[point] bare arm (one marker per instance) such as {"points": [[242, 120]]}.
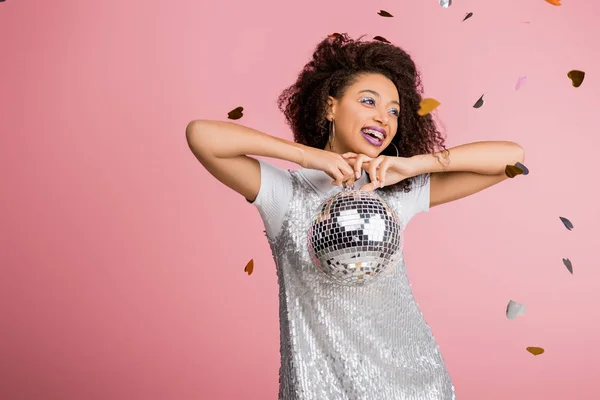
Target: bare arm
{"points": [[223, 148]]}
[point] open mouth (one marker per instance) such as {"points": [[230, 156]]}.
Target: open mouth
{"points": [[373, 135]]}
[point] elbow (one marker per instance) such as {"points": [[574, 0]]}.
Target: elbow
{"points": [[191, 131], [518, 152]]}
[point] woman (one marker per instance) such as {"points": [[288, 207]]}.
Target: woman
{"points": [[353, 112]]}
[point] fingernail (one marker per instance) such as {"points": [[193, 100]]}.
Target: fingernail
{"points": [[357, 174]]}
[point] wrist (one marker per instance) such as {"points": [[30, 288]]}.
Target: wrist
{"points": [[425, 163]]}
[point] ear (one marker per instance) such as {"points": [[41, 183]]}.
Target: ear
{"points": [[331, 106]]}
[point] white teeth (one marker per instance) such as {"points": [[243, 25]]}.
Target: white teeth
{"points": [[378, 135]]}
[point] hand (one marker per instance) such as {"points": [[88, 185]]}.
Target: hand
{"points": [[331, 163], [383, 170]]}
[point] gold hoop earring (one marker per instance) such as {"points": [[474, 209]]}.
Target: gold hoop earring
{"points": [[331, 134]]}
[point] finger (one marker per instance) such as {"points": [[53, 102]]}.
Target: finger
{"points": [[383, 172], [358, 166], [349, 155], [373, 171], [338, 178], [369, 187]]}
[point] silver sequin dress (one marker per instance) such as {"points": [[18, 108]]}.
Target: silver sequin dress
{"points": [[349, 343]]}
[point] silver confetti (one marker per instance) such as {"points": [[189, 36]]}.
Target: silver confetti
{"points": [[445, 3], [354, 237], [514, 310]]}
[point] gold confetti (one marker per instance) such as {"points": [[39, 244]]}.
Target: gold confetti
{"points": [[381, 39], [554, 2], [427, 106], [536, 351], [384, 13], [335, 35], [249, 267], [576, 77], [236, 113], [512, 170]]}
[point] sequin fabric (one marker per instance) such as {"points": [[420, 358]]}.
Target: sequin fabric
{"points": [[339, 342]]}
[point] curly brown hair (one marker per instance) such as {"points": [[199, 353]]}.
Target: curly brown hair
{"points": [[336, 63]]}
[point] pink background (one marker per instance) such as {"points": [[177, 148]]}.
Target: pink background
{"points": [[122, 259]]}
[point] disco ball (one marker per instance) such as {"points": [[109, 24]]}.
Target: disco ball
{"points": [[355, 237]]}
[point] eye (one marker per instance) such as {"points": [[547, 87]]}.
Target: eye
{"points": [[367, 100], [396, 112]]}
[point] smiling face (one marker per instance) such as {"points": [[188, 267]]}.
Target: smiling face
{"points": [[366, 117]]}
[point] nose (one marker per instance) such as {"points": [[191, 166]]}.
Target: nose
{"points": [[382, 117]]}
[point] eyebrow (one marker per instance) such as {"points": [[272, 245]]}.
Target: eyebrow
{"points": [[377, 95]]}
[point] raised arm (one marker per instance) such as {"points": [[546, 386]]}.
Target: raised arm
{"points": [[223, 148]]}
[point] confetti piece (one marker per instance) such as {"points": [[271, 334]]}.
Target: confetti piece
{"points": [[249, 267], [381, 39], [479, 102], [514, 310], [445, 3], [512, 170], [536, 351], [553, 2], [576, 77], [335, 35], [524, 168], [568, 264], [427, 106], [384, 13], [567, 223], [520, 82], [236, 113], [469, 15]]}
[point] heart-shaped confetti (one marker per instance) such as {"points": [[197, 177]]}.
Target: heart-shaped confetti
{"points": [[512, 170], [520, 82], [566, 222], [576, 77], [381, 39], [236, 113], [469, 15], [568, 264], [384, 13], [479, 102], [554, 2], [427, 106], [536, 351], [524, 168], [249, 267], [445, 3], [514, 310]]}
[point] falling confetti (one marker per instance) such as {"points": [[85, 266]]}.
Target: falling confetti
{"points": [[567, 223], [554, 2], [384, 13], [512, 170], [536, 351], [524, 168], [445, 3], [520, 82], [236, 113], [514, 310], [568, 264], [381, 39], [427, 106], [576, 77], [469, 15], [249, 267], [479, 102]]}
